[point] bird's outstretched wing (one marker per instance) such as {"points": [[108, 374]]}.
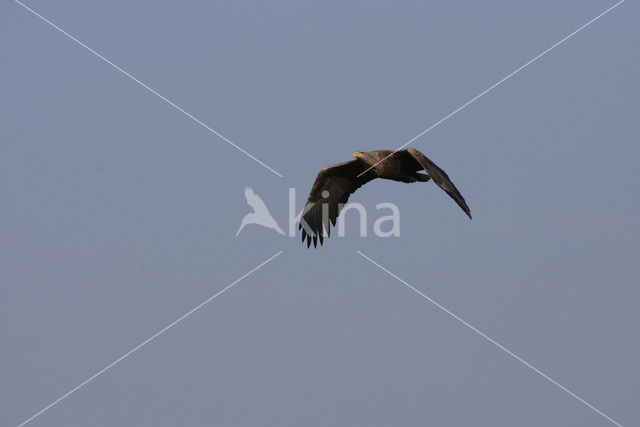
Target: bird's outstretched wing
{"points": [[332, 187], [253, 199], [440, 177]]}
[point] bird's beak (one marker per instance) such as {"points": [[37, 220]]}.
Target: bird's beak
{"points": [[356, 154]]}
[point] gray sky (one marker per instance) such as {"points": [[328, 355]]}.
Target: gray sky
{"points": [[119, 214]]}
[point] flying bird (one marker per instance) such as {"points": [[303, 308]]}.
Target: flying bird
{"points": [[334, 184], [260, 214]]}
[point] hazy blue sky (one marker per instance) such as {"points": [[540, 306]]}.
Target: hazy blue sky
{"points": [[119, 214]]}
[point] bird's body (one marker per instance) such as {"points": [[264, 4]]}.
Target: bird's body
{"points": [[334, 184], [386, 164]]}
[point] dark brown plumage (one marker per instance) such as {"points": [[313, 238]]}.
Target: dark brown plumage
{"points": [[334, 184]]}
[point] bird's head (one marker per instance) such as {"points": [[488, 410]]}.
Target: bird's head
{"points": [[365, 156]]}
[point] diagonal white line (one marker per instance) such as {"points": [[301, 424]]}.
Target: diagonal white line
{"points": [[483, 335], [136, 348], [497, 84], [191, 116]]}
